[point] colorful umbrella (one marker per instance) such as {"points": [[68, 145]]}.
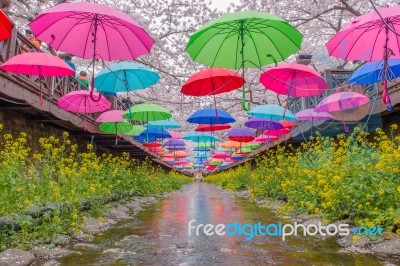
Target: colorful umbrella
{"points": [[211, 127], [210, 116], [241, 134], [116, 128], [311, 115], [175, 142], [341, 101], [91, 30], [125, 77], [136, 130], [294, 80], [370, 37], [241, 39], [263, 138], [81, 102], [272, 112], [5, 26], [37, 64], [147, 112], [164, 124], [111, 116], [262, 124], [252, 145], [199, 137], [175, 135], [231, 144], [212, 81], [221, 155], [371, 72], [288, 124]]}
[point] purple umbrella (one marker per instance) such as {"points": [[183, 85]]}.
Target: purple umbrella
{"points": [[175, 148], [311, 115], [175, 142], [263, 124]]}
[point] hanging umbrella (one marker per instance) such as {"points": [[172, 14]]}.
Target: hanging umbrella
{"points": [[212, 81], [241, 134], [175, 135], [154, 133], [252, 145], [81, 102], [210, 116], [136, 130], [211, 127], [293, 80], [370, 37], [116, 128], [242, 39], [341, 101], [111, 116], [5, 26], [147, 112], [164, 124], [179, 154], [91, 30], [263, 138], [152, 144], [221, 155], [371, 72], [175, 148], [278, 132], [37, 64], [175, 142], [272, 112], [199, 137], [262, 124], [124, 77], [288, 124], [311, 115], [231, 144]]}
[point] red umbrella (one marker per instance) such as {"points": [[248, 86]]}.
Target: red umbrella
{"points": [[5, 26], [211, 127], [37, 64], [152, 144], [241, 134], [288, 124], [212, 81]]}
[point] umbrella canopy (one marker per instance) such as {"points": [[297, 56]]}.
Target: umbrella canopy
{"points": [[179, 154], [156, 149], [221, 155], [263, 138], [211, 127], [364, 37], [111, 116], [175, 148], [212, 81], [154, 133], [231, 144], [175, 142], [147, 112], [220, 42], [124, 77], [277, 132], [199, 137], [210, 116], [116, 127], [272, 112], [294, 80], [288, 124], [175, 135], [140, 138], [5, 26], [152, 144], [170, 123], [136, 130], [262, 124], [311, 114], [372, 72], [241, 134], [252, 145], [341, 101], [37, 64], [91, 30], [81, 102]]}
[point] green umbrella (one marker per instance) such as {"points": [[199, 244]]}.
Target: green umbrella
{"points": [[252, 146], [245, 150], [136, 130], [116, 128], [244, 39], [147, 112]]}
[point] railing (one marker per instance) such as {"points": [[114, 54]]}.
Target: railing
{"points": [[52, 87]]}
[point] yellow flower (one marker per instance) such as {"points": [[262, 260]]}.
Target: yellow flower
{"points": [[381, 191], [356, 239], [398, 189]]}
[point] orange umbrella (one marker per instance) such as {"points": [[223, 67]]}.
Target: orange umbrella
{"points": [[179, 154], [231, 144]]}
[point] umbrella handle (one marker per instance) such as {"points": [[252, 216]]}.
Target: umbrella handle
{"points": [[244, 106]]}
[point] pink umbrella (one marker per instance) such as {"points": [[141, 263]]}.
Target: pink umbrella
{"points": [[37, 64], [263, 138], [341, 101], [111, 116], [91, 30], [221, 155], [175, 135], [277, 132], [370, 37], [294, 80], [81, 102], [311, 115]]}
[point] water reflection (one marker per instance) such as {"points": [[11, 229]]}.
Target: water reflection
{"points": [[159, 236]]}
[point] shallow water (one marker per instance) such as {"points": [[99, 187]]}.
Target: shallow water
{"points": [[159, 235]]}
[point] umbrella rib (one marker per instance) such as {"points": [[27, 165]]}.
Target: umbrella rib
{"points": [[102, 25]]}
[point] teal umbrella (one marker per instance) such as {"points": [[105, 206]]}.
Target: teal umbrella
{"points": [[164, 124], [272, 112], [244, 39]]}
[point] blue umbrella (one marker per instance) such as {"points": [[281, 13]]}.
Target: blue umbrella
{"points": [[272, 112], [199, 137], [155, 133], [124, 77], [143, 139], [371, 72], [210, 116], [175, 148], [201, 149], [165, 124]]}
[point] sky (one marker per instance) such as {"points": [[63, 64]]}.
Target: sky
{"points": [[222, 4]]}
